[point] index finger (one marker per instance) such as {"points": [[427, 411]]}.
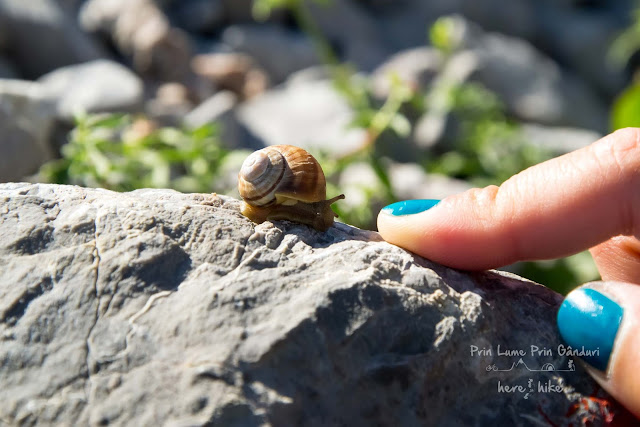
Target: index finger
{"points": [[550, 210]]}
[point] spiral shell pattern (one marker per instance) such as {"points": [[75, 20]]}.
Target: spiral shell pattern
{"points": [[280, 174]]}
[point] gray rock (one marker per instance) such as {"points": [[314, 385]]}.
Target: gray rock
{"points": [[94, 87], [534, 88], [155, 307], [26, 123], [309, 114], [40, 37], [220, 110], [278, 51], [558, 140]]}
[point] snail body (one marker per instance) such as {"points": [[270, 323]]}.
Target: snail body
{"points": [[285, 182]]}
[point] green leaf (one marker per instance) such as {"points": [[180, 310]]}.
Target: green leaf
{"points": [[383, 176], [441, 34], [110, 121], [626, 108], [207, 130], [362, 119], [400, 125]]}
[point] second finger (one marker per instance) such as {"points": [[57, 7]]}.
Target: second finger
{"points": [[618, 259]]}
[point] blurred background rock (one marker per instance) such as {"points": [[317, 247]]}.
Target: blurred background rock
{"points": [[398, 98]]}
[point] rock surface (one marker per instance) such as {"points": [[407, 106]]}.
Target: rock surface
{"points": [[155, 307]]}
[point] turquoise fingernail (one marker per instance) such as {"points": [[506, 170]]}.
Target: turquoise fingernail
{"points": [[588, 322], [410, 207]]}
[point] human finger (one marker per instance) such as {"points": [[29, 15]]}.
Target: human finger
{"points": [[553, 209], [618, 259]]}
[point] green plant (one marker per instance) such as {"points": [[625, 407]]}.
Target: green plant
{"points": [[625, 111], [488, 146], [122, 153], [442, 35]]}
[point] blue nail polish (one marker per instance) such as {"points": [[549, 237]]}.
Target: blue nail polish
{"points": [[410, 207], [589, 321]]}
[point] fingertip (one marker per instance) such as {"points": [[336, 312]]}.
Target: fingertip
{"points": [[447, 231], [406, 224], [599, 320]]}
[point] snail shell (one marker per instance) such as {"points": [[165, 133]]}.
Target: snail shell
{"points": [[281, 172], [285, 182]]}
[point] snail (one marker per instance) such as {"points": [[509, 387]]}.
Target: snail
{"points": [[285, 182]]}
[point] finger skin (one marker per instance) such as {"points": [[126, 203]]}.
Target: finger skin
{"points": [[553, 209], [622, 380], [618, 259]]}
